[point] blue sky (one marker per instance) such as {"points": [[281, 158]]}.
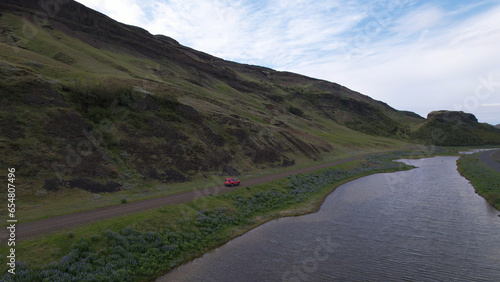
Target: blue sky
{"points": [[414, 55]]}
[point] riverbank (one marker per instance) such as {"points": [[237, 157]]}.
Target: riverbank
{"points": [[485, 180], [382, 227], [147, 244], [29, 229]]}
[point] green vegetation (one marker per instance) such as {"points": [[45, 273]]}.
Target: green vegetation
{"points": [[445, 128], [147, 244], [485, 180]]}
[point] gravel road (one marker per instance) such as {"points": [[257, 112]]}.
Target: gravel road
{"points": [[486, 157], [34, 228]]}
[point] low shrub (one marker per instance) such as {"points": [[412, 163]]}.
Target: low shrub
{"points": [[296, 111]]}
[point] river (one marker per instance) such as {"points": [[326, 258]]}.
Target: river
{"points": [[425, 224]]}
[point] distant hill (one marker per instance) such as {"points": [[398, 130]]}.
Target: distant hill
{"points": [[91, 103], [449, 128]]}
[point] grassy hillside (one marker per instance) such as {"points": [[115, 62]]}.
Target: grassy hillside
{"points": [[447, 128], [92, 106]]}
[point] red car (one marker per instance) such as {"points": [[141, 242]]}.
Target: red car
{"points": [[231, 182]]}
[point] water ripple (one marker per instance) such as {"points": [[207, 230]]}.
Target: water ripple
{"points": [[426, 224]]}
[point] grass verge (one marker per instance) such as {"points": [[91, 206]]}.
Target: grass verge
{"points": [[485, 180], [145, 245]]}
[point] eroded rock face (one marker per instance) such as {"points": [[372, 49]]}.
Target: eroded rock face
{"points": [[453, 128], [453, 117]]}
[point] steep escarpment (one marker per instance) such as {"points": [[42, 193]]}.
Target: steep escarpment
{"points": [[451, 128]]}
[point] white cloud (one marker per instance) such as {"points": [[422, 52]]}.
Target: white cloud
{"points": [[125, 11], [438, 71], [419, 20], [270, 33]]}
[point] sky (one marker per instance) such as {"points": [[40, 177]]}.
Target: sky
{"points": [[414, 55]]}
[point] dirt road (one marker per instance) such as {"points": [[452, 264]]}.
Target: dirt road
{"points": [[487, 158], [30, 229]]}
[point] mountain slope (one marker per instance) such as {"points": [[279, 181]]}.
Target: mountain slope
{"points": [[91, 103], [448, 128]]}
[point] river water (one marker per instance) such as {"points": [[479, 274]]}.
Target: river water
{"points": [[426, 224]]}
